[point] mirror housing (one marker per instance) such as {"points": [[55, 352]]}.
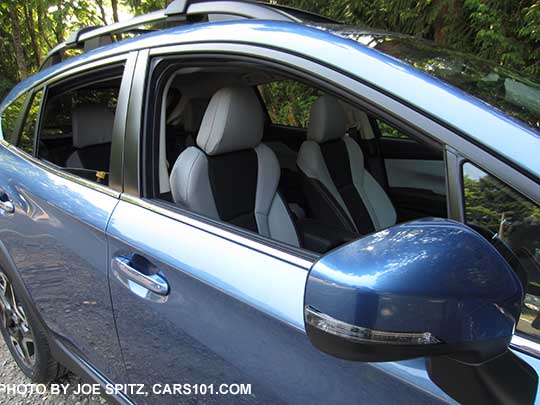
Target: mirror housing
{"points": [[424, 288]]}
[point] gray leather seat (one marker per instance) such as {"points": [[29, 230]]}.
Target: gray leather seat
{"points": [[231, 176], [92, 127], [340, 191]]}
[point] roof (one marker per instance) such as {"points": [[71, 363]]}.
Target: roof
{"points": [[505, 136]]}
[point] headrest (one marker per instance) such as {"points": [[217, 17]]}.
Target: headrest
{"points": [[92, 124], [232, 122], [327, 120]]}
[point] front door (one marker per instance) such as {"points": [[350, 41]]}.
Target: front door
{"points": [[233, 315]]}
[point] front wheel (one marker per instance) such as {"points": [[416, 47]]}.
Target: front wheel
{"points": [[24, 336]]}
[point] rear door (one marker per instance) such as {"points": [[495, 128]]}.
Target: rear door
{"points": [[55, 231]]}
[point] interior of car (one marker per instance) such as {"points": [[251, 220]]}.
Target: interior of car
{"points": [[321, 174], [77, 125]]}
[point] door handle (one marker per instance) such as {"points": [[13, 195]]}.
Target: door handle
{"points": [[6, 205], [152, 282]]}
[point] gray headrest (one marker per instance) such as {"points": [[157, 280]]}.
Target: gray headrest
{"points": [[232, 122], [327, 120], [92, 124]]}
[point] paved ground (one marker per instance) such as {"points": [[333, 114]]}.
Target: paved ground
{"points": [[10, 374]]}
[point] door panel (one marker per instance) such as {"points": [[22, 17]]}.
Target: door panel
{"points": [[416, 178], [56, 237], [416, 174], [233, 315]]}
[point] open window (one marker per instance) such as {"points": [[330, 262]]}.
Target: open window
{"points": [[77, 122], [261, 151]]}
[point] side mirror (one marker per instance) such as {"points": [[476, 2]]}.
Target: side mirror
{"points": [[429, 288]]}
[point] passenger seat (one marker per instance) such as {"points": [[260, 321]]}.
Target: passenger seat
{"points": [[231, 176], [340, 191]]}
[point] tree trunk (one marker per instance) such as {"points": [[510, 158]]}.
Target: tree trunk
{"points": [[102, 12], [41, 27], [114, 5], [17, 43], [31, 28], [59, 31]]}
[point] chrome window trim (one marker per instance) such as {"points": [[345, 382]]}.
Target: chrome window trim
{"points": [[61, 173], [221, 232], [525, 345]]}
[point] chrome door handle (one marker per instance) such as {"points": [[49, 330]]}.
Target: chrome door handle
{"points": [[7, 206], [152, 282]]}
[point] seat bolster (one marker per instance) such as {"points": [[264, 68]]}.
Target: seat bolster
{"points": [[311, 162], [280, 224], [383, 207], [379, 206], [273, 218], [268, 175], [74, 161], [190, 184]]}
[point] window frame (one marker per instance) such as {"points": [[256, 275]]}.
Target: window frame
{"points": [[136, 164], [116, 167]]}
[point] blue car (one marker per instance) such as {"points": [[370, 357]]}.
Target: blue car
{"points": [[238, 202]]}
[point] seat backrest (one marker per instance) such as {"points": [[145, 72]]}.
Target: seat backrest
{"points": [[231, 176], [92, 126], [339, 188]]}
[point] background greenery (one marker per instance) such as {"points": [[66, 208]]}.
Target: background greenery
{"points": [[505, 31]]}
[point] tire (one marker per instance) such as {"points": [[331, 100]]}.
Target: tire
{"points": [[25, 336]]}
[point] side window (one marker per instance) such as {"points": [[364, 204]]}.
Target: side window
{"points": [[10, 116], [512, 223], [388, 131], [28, 134], [288, 102], [77, 125]]}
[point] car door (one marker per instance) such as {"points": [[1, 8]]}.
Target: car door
{"points": [[54, 231], [197, 303]]}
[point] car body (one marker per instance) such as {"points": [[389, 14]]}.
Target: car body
{"points": [[234, 312]]}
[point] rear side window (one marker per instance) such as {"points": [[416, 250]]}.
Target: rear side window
{"points": [[77, 124], [288, 102], [9, 118], [28, 133]]}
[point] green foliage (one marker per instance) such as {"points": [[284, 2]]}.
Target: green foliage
{"points": [[506, 32], [9, 118], [490, 202], [288, 102]]}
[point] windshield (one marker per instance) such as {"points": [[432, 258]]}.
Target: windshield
{"points": [[511, 92]]}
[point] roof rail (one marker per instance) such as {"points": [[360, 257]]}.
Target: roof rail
{"points": [[180, 12]]}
